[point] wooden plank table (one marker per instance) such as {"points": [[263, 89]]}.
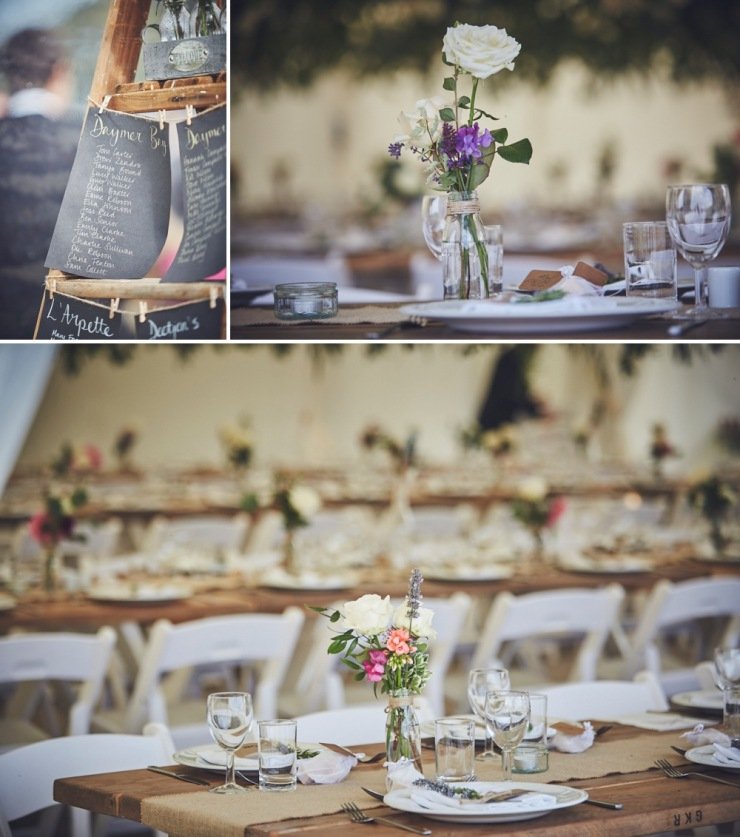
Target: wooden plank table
{"points": [[651, 802]]}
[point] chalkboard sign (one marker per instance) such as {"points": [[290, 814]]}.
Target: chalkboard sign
{"points": [[114, 217], [190, 321], [65, 317], [202, 251]]}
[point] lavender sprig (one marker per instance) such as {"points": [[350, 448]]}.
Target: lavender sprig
{"points": [[414, 597]]}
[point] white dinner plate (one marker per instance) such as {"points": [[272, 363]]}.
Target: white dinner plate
{"points": [[282, 580], [212, 757], [144, 594], [705, 755], [560, 796], [493, 572], [567, 314], [707, 699], [583, 564]]}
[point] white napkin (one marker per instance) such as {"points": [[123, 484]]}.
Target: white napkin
{"points": [[327, 768], [428, 798], [401, 775], [572, 284], [699, 736], [726, 755], [564, 743]]}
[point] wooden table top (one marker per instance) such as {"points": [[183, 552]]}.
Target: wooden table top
{"points": [[651, 802], [64, 611], [250, 324]]}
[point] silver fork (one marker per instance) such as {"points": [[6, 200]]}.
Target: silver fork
{"points": [[675, 773], [356, 815]]}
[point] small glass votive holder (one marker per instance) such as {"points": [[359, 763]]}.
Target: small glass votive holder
{"points": [[278, 755], [532, 756], [454, 749], [305, 300], [731, 711]]}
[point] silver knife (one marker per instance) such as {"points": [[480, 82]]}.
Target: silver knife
{"points": [[181, 776]]}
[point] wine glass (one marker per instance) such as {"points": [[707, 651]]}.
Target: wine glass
{"points": [[480, 682], [727, 663], [434, 215], [229, 720], [698, 217], [507, 713]]}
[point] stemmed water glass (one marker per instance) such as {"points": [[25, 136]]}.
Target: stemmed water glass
{"points": [[480, 682], [698, 217], [727, 664], [229, 720], [507, 713]]}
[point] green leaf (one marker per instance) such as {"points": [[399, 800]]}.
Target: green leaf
{"points": [[479, 112], [517, 152], [500, 135], [360, 676], [335, 617], [463, 102], [317, 608], [449, 83], [447, 115], [480, 171]]}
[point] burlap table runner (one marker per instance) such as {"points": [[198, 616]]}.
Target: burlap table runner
{"points": [[196, 814], [371, 314]]}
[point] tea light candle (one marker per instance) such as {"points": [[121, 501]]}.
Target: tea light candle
{"points": [[525, 758]]}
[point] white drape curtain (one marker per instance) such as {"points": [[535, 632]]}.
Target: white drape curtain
{"points": [[24, 374]]}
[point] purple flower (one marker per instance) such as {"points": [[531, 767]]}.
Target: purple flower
{"points": [[468, 142], [394, 149]]}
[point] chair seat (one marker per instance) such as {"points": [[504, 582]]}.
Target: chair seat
{"points": [[15, 732]]}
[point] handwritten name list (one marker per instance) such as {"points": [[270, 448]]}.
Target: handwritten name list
{"points": [[202, 251], [114, 216]]}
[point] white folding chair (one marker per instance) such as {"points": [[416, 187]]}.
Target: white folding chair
{"points": [[675, 608], [28, 773], [604, 700], [261, 642], [32, 662], [219, 531], [360, 724], [534, 626]]}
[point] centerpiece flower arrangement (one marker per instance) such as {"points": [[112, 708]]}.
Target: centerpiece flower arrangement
{"points": [[403, 457], [387, 647], [55, 523], [238, 444], [457, 152], [714, 499], [533, 507], [77, 460], [660, 449]]}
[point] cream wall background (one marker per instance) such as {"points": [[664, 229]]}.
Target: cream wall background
{"points": [[311, 412], [332, 134]]}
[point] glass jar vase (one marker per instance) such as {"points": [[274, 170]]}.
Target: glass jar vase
{"points": [[402, 730], [464, 253]]}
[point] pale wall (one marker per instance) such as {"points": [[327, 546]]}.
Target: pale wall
{"points": [[648, 121], [308, 413]]}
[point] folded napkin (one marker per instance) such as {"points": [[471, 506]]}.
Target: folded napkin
{"points": [[726, 755], [428, 798], [700, 736], [327, 768], [567, 741], [570, 283]]}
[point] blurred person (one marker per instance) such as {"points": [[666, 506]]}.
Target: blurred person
{"points": [[39, 132]]}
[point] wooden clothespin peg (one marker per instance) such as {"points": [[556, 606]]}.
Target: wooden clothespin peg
{"points": [[214, 296], [114, 303], [142, 311], [52, 287], [104, 103], [189, 114], [161, 120]]}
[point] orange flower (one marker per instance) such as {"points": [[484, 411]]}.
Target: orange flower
{"points": [[398, 641]]}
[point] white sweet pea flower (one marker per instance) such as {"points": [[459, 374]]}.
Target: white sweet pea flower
{"points": [[305, 501], [369, 615], [532, 489], [421, 626], [422, 126], [480, 50]]}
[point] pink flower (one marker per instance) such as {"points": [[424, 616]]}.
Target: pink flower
{"points": [[398, 641], [38, 531], [557, 507], [375, 666], [88, 458]]}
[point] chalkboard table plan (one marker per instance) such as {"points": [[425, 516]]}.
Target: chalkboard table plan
{"points": [[187, 321], [115, 214], [63, 317]]}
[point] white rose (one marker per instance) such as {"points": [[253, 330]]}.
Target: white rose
{"points": [[480, 50], [422, 126], [532, 489], [369, 615], [421, 626], [305, 501]]}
